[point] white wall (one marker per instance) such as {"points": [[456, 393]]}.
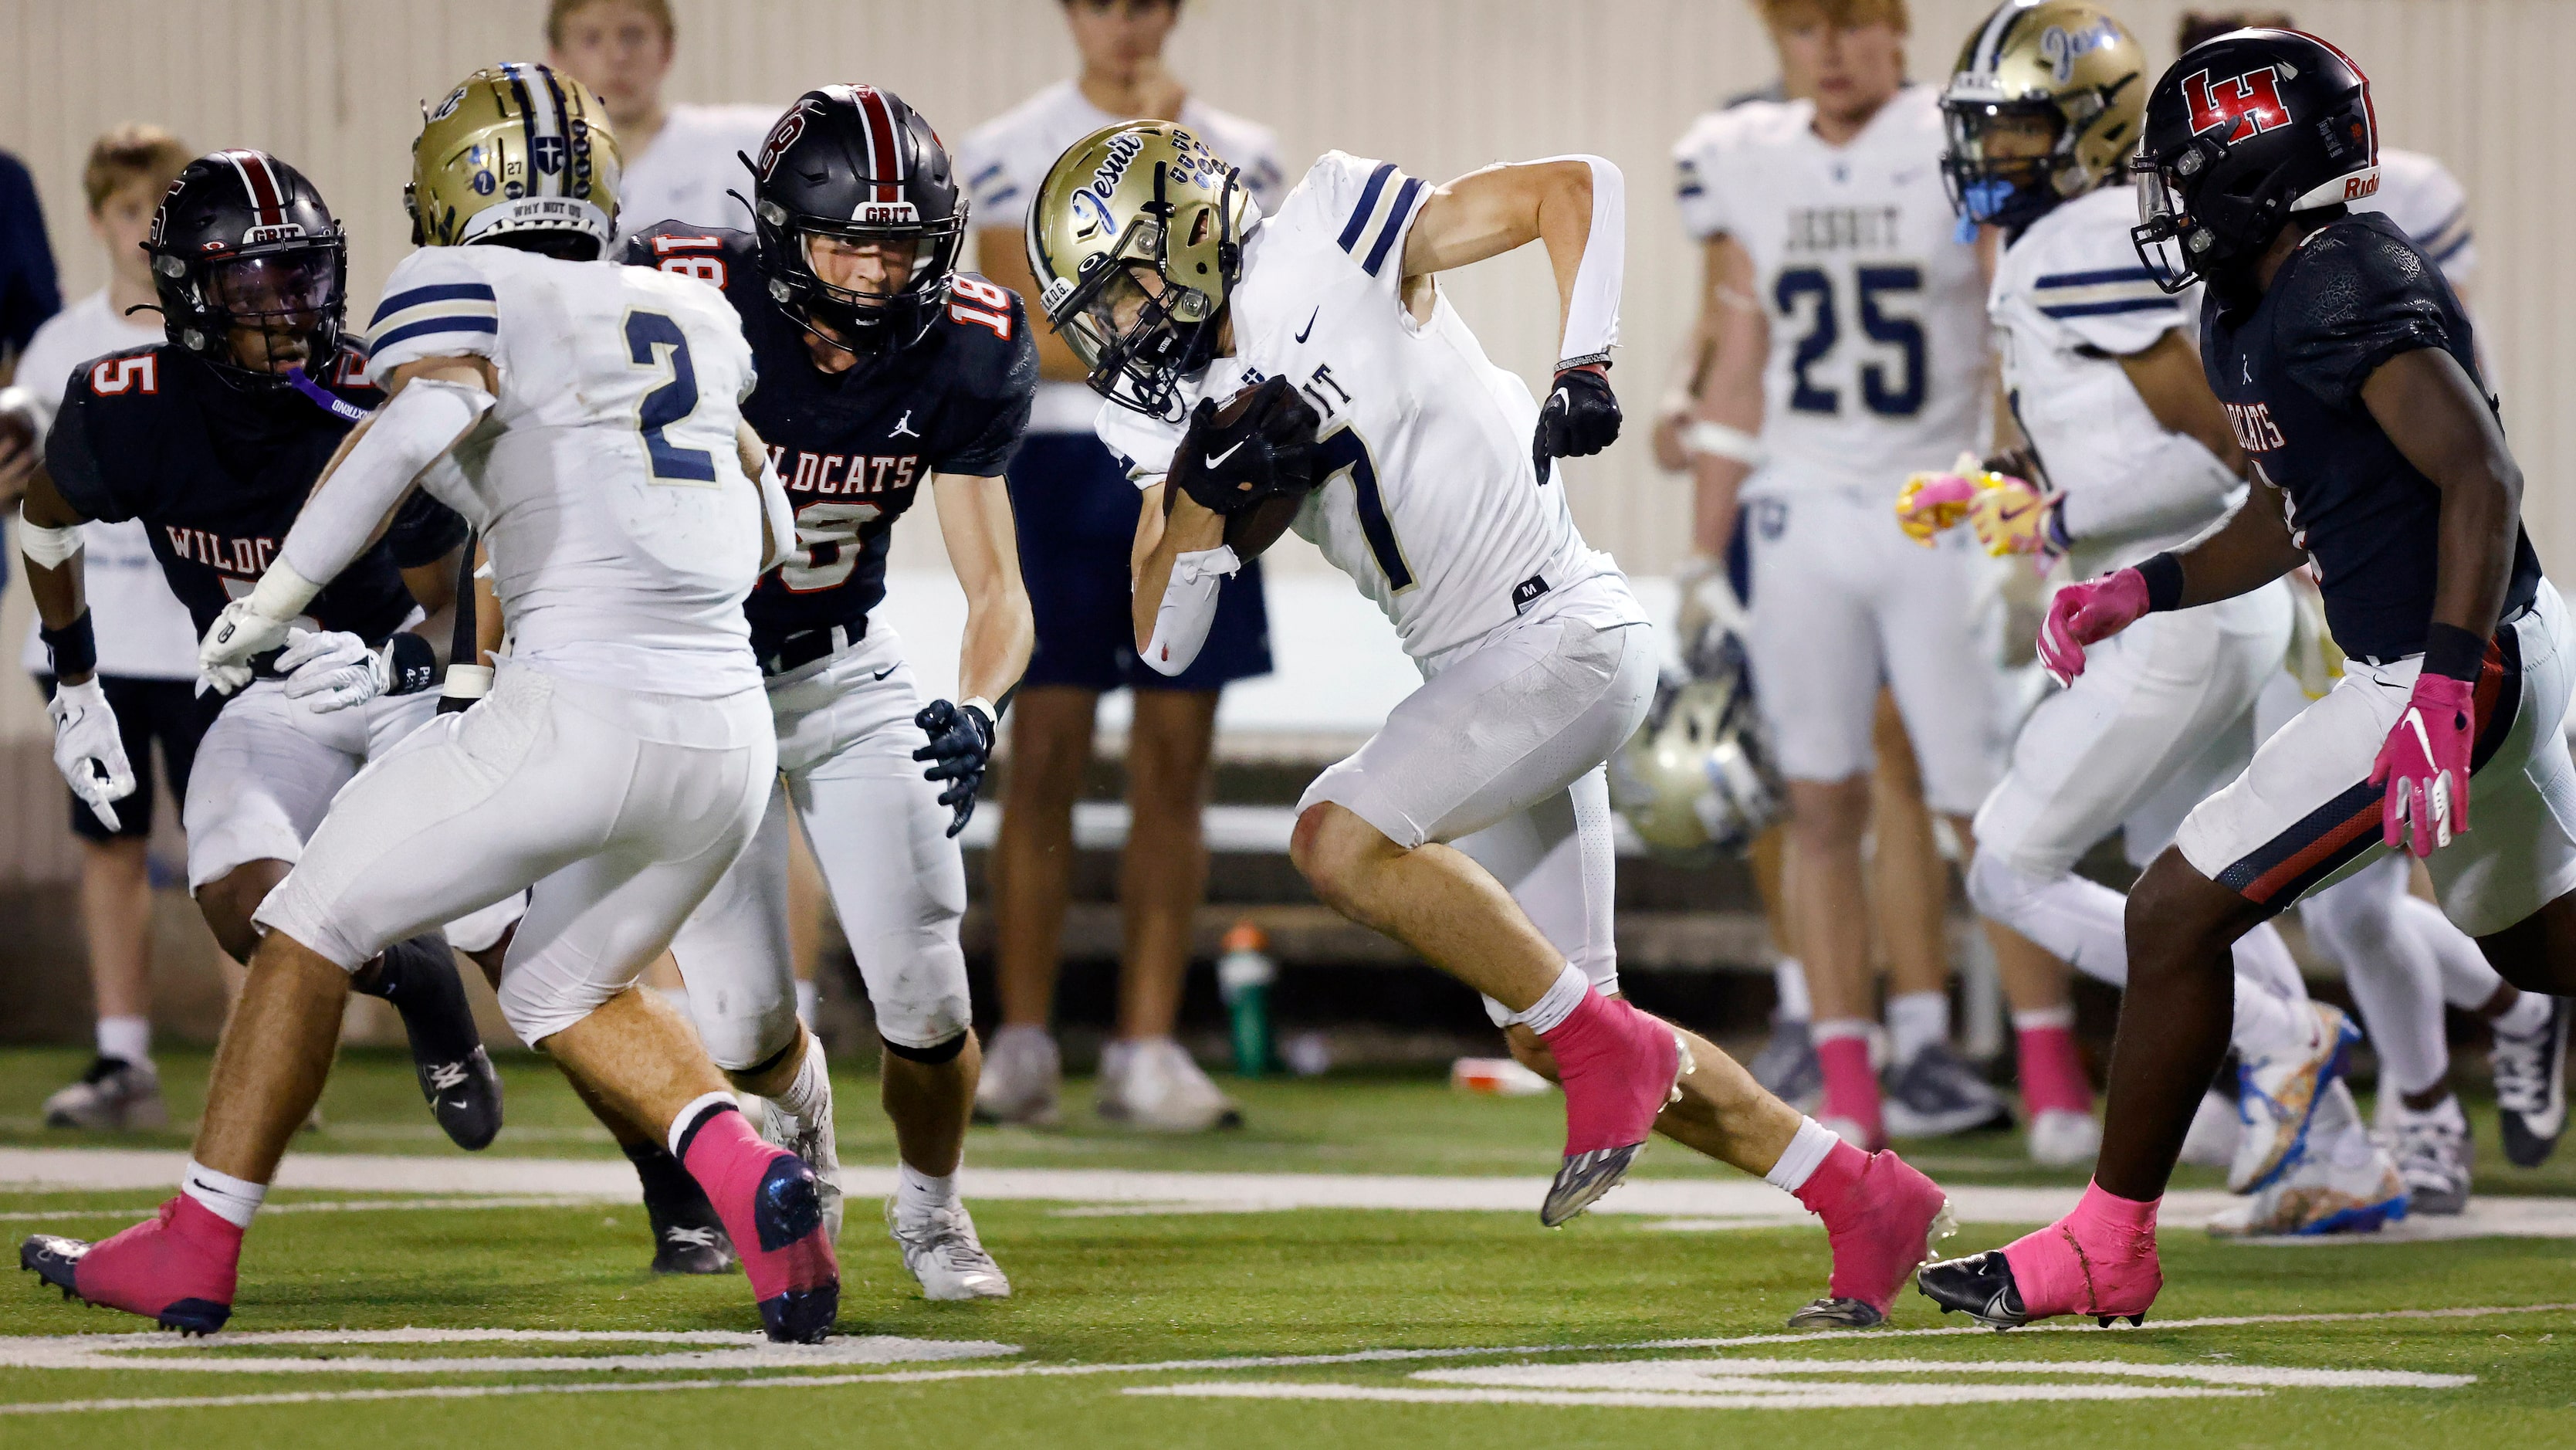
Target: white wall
{"points": [[1439, 85]]}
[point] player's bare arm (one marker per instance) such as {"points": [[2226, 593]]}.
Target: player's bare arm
{"points": [[1001, 257], [1727, 415], [58, 587], [2171, 382], [2434, 414], [983, 547]]}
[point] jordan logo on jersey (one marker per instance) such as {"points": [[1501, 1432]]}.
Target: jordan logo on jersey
{"points": [[2253, 426], [248, 558], [903, 426]]}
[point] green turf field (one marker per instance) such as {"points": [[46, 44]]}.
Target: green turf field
{"points": [[1306, 1327]]}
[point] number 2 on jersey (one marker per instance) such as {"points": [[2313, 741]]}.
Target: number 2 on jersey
{"points": [[647, 335], [1347, 452], [1875, 284]]}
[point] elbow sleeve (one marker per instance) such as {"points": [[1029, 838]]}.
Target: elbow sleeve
{"points": [[1188, 608]]}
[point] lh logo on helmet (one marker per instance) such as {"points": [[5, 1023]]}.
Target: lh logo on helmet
{"points": [[2248, 104]]}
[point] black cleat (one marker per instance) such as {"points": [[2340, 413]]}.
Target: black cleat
{"points": [[1981, 1285], [1838, 1314], [1581, 1180], [418, 975], [2107, 1320], [2531, 1087], [688, 1237], [802, 1316]]}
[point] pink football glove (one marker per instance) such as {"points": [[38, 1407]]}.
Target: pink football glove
{"points": [[2425, 764], [2015, 516], [2085, 614], [1933, 502]]}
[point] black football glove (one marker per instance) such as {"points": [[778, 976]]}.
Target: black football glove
{"points": [[1256, 447], [1580, 417], [961, 745]]}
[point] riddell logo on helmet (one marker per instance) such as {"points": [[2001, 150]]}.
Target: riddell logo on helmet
{"points": [[2357, 187], [2249, 104]]}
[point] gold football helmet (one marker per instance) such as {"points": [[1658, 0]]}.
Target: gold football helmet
{"points": [[1126, 201], [1696, 780], [2064, 65], [515, 148]]}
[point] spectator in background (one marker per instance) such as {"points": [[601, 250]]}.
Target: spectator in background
{"points": [[679, 160], [28, 294], [1077, 522], [147, 648]]}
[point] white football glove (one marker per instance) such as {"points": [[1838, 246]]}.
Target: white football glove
{"points": [[237, 635], [89, 750], [331, 670]]}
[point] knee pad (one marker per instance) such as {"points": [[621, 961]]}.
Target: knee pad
{"points": [[743, 1030], [931, 1056], [539, 1000], [917, 990]]}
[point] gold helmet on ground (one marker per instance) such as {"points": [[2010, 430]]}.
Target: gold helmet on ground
{"points": [[2065, 64], [515, 148], [1127, 200], [1696, 780]]}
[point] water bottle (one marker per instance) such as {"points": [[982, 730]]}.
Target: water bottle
{"points": [[1243, 977]]}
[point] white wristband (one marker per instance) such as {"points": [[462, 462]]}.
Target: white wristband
{"points": [[978, 702], [467, 682], [1717, 440], [281, 594], [1592, 315]]}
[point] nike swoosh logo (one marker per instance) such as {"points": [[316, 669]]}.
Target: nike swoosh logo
{"points": [[1214, 459], [1310, 323], [1562, 396], [890, 669]]}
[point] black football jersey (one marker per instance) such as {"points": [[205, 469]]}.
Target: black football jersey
{"points": [[218, 473], [855, 448], [2289, 370]]}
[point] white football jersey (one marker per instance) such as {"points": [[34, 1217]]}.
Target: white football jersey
{"points": [[1006, 159], [1428, 499], [2421, 195], [1877, 322], [2071, 297], [606, 483]]}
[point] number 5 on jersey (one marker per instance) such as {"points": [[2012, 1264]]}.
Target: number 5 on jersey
{"points": [[655, 342]]}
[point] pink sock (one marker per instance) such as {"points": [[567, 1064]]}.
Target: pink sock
{"points": [[1851, 1089], [2052, 1071], [2105, 1229], [1826, 1189]]}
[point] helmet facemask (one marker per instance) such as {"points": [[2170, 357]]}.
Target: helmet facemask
{"points": [[797, 252], [290, 299], [1144, 338], [2009, 190]]}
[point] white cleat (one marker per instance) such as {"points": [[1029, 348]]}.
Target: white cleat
{"points": [[941, 1250], [2215, 1132], [2278, 1097], [817, 1145], [2342, 1182], [1152, 1084], [1023, 1079], [2433, 1152], [2064, 1138], [113, 1094]]}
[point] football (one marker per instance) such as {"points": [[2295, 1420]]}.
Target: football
{"points": [[1248, 531]]}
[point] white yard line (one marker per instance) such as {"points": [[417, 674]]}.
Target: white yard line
{"points": [[1053, 1371], [1678, 1203], [347, 1205]]}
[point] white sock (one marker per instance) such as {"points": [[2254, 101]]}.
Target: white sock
{"points": [[689, 1116], [127, 1039], [1789, 976], [2527, 1015], [2266, 1026], [1917, 1020], [231, 1199], [2041, 1019], [917, 1195], [1798, 1161], [806, 996], [2262, 955], [1550, 1011], [809, 1097], [1834, 1028]]}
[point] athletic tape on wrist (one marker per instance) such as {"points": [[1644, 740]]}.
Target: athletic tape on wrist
{"points": [[1718, 440]]}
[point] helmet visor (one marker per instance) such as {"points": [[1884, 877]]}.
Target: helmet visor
{"points": [[278, 285]]}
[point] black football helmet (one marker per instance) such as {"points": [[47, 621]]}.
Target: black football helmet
{"points": [[2243, 131], [242, 243], [855, 164]]}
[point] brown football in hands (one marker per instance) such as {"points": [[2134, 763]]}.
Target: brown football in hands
{"points": [[1254, 529]]}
